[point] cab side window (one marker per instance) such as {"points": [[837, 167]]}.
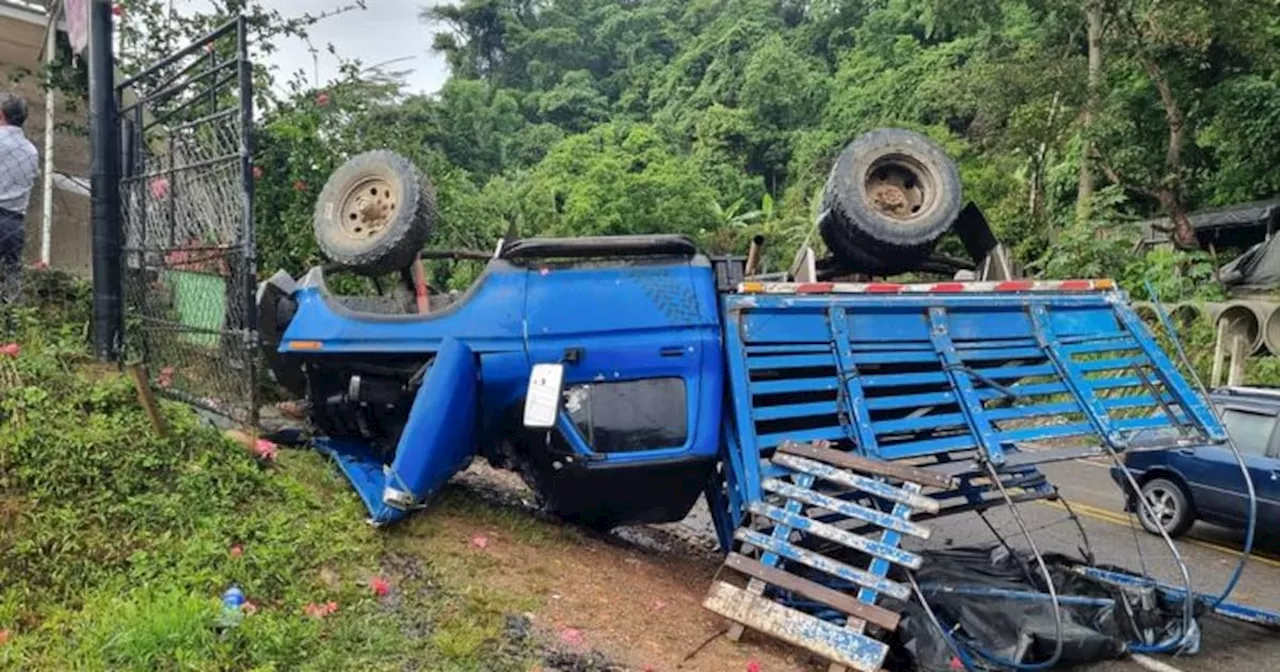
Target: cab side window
{"points": [[630, 416]]}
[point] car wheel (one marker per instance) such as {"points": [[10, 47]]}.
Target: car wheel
{"points": [[1170, 508]]}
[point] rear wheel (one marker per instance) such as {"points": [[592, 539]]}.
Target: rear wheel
{"points": [[1170, 508], [891, 194]]}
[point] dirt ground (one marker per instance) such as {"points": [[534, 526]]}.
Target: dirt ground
{"points": [[637, 601]]}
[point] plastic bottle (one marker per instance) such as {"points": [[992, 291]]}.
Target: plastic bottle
{"points": [[232, 607]]}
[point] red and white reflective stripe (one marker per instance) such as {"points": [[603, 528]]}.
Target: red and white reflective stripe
{"points": [[925, 288]]}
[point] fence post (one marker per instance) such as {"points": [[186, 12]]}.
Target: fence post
{"points": [[104, 136]]}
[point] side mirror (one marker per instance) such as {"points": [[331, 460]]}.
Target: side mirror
{"points": [[542, 399]]}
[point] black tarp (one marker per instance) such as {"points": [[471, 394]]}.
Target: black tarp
{"points": [[1258, 269], [1022, 630]]}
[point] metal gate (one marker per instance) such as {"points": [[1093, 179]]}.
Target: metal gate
{"points": [[186, 194]]}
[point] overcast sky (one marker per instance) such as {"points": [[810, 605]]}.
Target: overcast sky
{"points": [[388, 29]]}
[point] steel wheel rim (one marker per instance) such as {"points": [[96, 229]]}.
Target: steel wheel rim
{"points": [[900, 188], [1163, 505], [368, 207]]}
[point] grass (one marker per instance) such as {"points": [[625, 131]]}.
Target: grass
{"points": [[116, 543]]}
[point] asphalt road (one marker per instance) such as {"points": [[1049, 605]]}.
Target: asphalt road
{"points": [[1210, 555]]}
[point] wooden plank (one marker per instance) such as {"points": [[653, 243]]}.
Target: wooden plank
{"points": [[857, 482], [814, 591], [847, 539], [822, 563], [847, 509], [147, 398], [848, 648], [865, 465]]}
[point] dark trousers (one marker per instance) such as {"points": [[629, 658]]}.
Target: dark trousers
{"points": [[13, 235]]}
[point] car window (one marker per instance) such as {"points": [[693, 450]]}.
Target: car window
{"points": [[1250, 431], [630, 415]]}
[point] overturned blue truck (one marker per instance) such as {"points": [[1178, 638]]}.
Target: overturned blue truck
{"points": [[825, 417]]}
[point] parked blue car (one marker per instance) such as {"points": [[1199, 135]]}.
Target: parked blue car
{"points": [[1204, 483]]}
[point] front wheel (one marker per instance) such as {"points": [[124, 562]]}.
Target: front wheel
{"points": [[1170, 508]]}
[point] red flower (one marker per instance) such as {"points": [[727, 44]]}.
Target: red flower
{"points": [[322, 99], [379, 586], [299, 185], [257, 172], [10, 349], [753, 666]]}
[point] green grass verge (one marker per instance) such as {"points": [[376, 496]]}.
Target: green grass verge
{"points": [[116, 543]]}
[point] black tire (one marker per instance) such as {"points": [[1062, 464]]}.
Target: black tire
{"points": [[381, 231], [853, 257], [891, 194], [1170, 503]]}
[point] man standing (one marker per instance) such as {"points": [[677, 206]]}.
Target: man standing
{"points": [[19, 164]]}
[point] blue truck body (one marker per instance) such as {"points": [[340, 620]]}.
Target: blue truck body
{"points": [[846, 414]]}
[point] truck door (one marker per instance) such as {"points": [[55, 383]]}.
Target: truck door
{"points": [[643, 380]]}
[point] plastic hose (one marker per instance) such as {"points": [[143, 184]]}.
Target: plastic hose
{"points": [[1235, 451]]}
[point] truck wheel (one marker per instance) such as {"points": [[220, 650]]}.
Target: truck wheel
{"points": [[374, 213], [1170, 505], [892, 193]]}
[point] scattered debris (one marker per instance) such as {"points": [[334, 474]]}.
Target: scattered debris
{"points": [[319, 611]]}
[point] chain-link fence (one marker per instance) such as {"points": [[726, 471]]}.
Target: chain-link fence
{"points": [[186, 200]]}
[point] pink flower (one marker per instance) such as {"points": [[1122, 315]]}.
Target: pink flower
{"points": [[322, 98], [117, 10], [379, 586], [319, 611], [159, 187], [10, 349], [257, 172], [265, 449], [299, 185], [165, 379], [572, 637], [480, 541], [237, 551], [754, 666]]}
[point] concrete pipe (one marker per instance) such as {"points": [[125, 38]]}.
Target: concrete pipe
{"points": [[1245, 319], [1185, 315], [1271, 327], [1214, 311]]}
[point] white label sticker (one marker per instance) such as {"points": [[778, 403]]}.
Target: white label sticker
{"points": [[542, 401]]}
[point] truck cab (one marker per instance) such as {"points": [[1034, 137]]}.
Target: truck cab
{"points": [[630, 324]]}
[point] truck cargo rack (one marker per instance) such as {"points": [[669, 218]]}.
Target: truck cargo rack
{"points": [[917, 401]]}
